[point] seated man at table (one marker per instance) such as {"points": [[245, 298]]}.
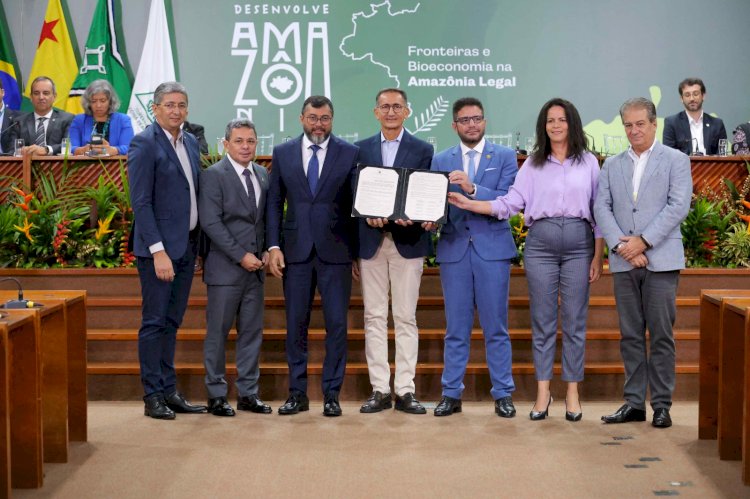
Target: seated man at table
{"points": [[43, 130], [692, 131]]}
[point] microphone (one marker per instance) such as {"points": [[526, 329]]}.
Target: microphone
{"points": [[593, 142], [518, 144], [696, 152], [20, 302]]}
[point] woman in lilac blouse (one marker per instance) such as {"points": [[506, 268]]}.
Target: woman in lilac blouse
{"points": [[555, 188]]}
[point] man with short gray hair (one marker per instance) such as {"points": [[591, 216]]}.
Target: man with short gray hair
{"points": [[163, 166], [644, 195], [231, 206]]}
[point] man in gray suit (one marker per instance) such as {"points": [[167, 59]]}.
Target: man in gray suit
{"points": [[44, 129], [232, 209], [644, 195]]}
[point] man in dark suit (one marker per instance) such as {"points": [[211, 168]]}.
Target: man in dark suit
{"points": [[163, 166], [644, 195], [692, 131], [43, 130], [474, 252], [8, 119], [231, 207], [391, 262], [315, 242]]}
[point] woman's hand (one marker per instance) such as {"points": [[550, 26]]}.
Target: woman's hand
{"points": [[461, 201]]}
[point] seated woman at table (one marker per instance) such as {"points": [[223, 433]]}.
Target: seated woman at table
{"points": [[555, 188], [99, 102]]}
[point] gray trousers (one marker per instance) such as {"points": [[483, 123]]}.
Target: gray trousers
{"points": [[646, 299], [557, 258], [225, 304]]}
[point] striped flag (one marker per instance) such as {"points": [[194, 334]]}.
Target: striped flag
{"points": [[102, 59], [55, 57]]}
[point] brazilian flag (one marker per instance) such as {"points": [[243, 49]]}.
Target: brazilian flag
{"points": [[9, 66]]}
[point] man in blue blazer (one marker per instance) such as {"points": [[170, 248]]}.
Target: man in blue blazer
{"points": [[163, 166], [692, 130], [644, 195], [312, 245], [391, 263], [474, 253]]}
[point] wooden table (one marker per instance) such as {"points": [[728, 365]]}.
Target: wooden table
{"points": [[23, 331], [75, 312], [4, 410], [54, 355], [708, 394]]}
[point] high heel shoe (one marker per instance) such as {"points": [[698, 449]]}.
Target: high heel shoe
{"points": [[539, 415], [572, 416]]}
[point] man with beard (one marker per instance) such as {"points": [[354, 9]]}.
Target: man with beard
{"points": [[312, 245], [692, 131], [474, 253]]}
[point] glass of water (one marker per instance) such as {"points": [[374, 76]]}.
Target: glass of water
{"points": [[723, 147], [220, 145], [18, 151], [433, 142], [65, 147]]}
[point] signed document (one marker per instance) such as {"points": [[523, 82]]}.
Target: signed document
{"points": [[401, 193]]}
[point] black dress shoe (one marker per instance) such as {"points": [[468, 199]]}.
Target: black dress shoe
{"points": [[220, 407], [661, 419], [409, 403], [447, 406], [625, 414], [297, 402], [177, 403], [332, 408], [253, 403], [504, 407], [539, 415], [155, 407], [376, 403]]}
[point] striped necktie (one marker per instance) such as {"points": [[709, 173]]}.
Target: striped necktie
{"points": [[40, 135]]}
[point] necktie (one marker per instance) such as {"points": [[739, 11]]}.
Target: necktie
{"points": [[40, 136], [472, 164], [249, 184], [313, 168]]}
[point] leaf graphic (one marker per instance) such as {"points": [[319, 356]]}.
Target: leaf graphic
{"points": [[429, 118]]}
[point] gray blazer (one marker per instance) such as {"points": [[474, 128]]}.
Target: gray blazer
{"points": [[233, 225], [663, 203], [57, 129]]}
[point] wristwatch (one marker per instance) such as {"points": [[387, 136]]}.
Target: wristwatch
{"points": [[616, 247], [645, 241]]}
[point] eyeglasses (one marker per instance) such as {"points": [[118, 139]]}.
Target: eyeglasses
{"points": [[386, 108], [466, 119], [312, 119], [171, 106]]}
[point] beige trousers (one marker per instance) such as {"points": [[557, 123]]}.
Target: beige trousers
{"points": [[388, 269]]}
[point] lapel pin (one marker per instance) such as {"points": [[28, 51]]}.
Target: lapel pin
{"points": [[488, 156], [708, 125]]}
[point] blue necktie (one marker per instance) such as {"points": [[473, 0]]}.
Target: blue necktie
{"points": [[312, 168], [472, 164]]}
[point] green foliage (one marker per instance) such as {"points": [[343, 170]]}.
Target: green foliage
{"points": [[702, 231], [734, 251]]}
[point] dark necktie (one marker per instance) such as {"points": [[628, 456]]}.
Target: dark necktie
{"points": [[313, 168], [249, 184], [40, 136]]}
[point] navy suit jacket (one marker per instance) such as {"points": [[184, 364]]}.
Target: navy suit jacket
{"points": [[120, 131], [159, 191], [57, 129], [412, 241], [322, 221], [677, 133], [10, 116], [491, 237]]}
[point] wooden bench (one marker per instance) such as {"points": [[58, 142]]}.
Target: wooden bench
{"points": [[708, 393], [24, 401]]}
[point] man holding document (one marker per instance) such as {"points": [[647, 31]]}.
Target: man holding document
{"points": [[391, 259], [474, 253]]}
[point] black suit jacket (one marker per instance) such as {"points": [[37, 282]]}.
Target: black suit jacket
{"points": [[10, 117], [677, 133], [412, 241], [57, 129]]}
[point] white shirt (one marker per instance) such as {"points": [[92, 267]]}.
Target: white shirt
{"points": [[465, 158], [696, 133], [182, 155], [307, 153], [639, 166], [239, 169], [2, 115], [389, 148]]}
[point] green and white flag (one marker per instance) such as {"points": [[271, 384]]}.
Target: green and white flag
{"points": [[156, 67], [102, 59]]}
